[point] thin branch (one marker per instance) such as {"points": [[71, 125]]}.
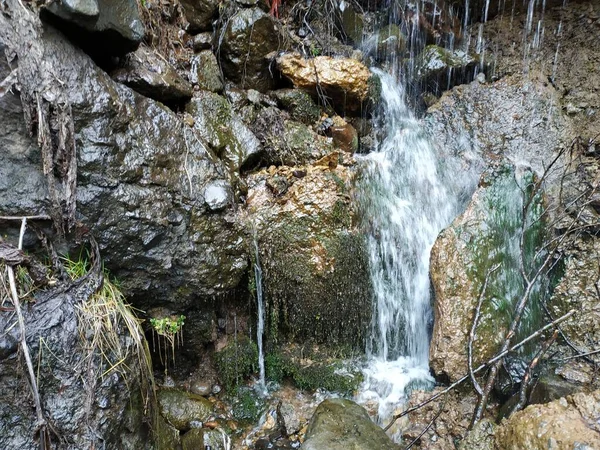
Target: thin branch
{"points": [[481, 367], [474, 328], [429, 425], [581, 355], [529, 374], [20, 218]]}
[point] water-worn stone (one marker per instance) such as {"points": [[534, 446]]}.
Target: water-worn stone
{"points": [[570, 422], [202, 41], [193, 439], [350, 23], [141, 179], [150, 75], [299, 104], [314, 261], [344, 135], [388, 41], [287, 142], [439, 69], [340, 424], [223, 129], [180, 408], [346, 81], [205, 72], [114, 23], [250, 36], [200, 14]]}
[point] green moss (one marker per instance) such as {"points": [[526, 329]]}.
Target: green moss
{"points": [[247, 405], [236, 362]]}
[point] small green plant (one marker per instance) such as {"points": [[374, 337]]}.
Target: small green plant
{"points": [[236, 362], [169, 330]]}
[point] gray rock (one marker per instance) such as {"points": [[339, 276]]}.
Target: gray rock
{"points": [[114, 23], [439, 69], [200, 14], [299, 104], [350, 23], [203, 41], [223, 129], [205, 72], [141, 179], [247, 2], [180, 408], [151, 75], [216, 195], [340, 424], [251, 35], [112, 416]]}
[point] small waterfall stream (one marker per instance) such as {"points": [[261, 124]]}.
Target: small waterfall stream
{"points": [[261, 315], [405, 204]]}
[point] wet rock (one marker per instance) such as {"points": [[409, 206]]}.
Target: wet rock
{"points": [[552, 387], [250, 36], [565, 423], [439, 69], [200, 14], [150, 75], [113, 412], [577, 290], [299, 104], [387, 42], [114, 23], [485, 235], [314, 258], [481, 437], [201, 388], [344, 135], [205, 72], [134, 191], [340, 424], [350, 23], [223, 129], [216, 195], [286, 142], [203, 41], [193, 439], [346, 81], [180, 408]]}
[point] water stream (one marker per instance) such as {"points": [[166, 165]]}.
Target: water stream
{"points": [[405, 203], [261, 316]]}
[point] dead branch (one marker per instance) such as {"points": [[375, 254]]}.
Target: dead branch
{"points": [[496, 358], [429, 425], [529, 373], [581, 355], [41, 423], [474, 328]]}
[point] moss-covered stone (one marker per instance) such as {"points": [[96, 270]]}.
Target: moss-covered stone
{"points": [[236, 361], [315, 267], [299, 104], [180, 408]]}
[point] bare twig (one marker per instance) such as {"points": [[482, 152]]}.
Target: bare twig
{"points": [[41, 424], [474, 327], [429, 425], [529, 374], [496, 358], [582, 355]]}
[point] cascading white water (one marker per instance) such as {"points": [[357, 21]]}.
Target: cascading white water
{"points": [[405, 204], [261, 316]]}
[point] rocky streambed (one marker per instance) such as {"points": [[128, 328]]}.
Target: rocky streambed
{"points": [[152, 145]]}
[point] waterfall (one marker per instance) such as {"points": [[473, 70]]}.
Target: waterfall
{"points": [[261, 316], [405, 204]]}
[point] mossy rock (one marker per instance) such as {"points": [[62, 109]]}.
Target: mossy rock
{"points": [[236, 362], [299, 104], [180, 408]]}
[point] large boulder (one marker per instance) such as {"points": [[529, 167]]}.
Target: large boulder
{"points": [[570, 422], [315, 266], [346, 81], [340, 424], [143, 178], [250, 36], [114, 23], [151, 75], [483, 243]]}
